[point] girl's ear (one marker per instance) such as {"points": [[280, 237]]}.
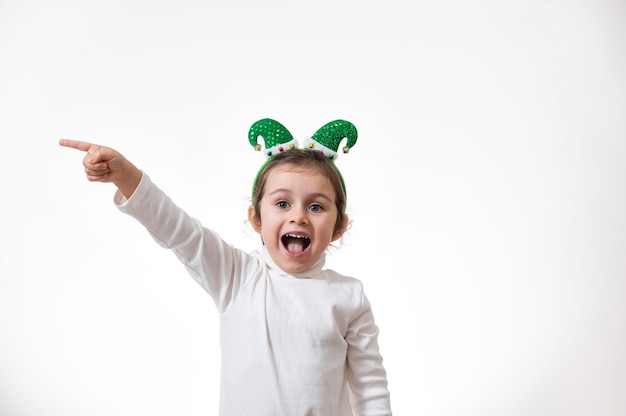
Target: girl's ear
{"points": [[341, 229], [255, 220]]}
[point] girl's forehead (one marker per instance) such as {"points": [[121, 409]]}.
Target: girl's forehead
{"points": [[294, 176], [296, 169]]}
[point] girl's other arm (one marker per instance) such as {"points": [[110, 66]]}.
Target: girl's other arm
{"points": [[366, 375], [103, 164]]}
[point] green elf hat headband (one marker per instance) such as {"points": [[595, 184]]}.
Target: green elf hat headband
{"points": [[278, 139]]}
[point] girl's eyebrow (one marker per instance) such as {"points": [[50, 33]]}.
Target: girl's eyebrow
{"points": [[322, 196], [309, 196], [279, 190]]}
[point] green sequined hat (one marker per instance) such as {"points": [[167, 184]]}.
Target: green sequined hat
{"points": [[277, 139], [329, 137]]}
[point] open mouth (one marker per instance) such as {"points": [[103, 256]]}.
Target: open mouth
{"points": [[295, 243]]}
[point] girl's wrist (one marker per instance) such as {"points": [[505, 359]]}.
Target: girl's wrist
{"points": [[129, 181]]}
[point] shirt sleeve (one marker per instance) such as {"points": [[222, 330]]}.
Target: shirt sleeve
{"points": [[215, 265], [367, 377]]}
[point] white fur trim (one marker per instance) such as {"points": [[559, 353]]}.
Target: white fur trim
{"points": [[285, 146], [309, 143]]}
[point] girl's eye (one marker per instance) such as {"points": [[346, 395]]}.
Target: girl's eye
{"points": [[282, 204], [316, 208]]}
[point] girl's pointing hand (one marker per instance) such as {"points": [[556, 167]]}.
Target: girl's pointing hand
{"points": [[104, 164]]}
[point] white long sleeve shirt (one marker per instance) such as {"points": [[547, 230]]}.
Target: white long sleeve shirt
{"points": [[292, 345]]}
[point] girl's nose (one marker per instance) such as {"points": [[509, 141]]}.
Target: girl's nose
{"points": [[299, 216]]}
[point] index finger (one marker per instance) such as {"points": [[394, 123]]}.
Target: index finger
{"points": [[75, 144]]}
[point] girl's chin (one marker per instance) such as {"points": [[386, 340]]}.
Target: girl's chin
{"points": [[292, 264]]}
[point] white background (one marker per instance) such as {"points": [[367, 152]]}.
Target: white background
{"points": [[487, 193]]}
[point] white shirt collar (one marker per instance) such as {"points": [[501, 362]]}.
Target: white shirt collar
{"points": [[312, 272]]}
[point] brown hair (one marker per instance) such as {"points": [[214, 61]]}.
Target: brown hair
{"points": [[308, 159]]}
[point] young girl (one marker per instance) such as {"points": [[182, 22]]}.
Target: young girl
{"points": [[296, 339]]}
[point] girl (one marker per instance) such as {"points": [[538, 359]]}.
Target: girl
{"points": [[296, 339]]}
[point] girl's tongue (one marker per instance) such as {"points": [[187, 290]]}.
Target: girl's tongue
{"points": [[296, 245]]}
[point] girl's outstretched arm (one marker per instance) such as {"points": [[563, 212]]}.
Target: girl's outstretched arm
{"points": [[103, 164]]}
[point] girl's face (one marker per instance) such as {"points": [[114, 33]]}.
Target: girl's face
{"points": [[298, 217]]}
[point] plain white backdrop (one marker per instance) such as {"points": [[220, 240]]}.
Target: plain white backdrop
{"points": [[487, 193]]}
